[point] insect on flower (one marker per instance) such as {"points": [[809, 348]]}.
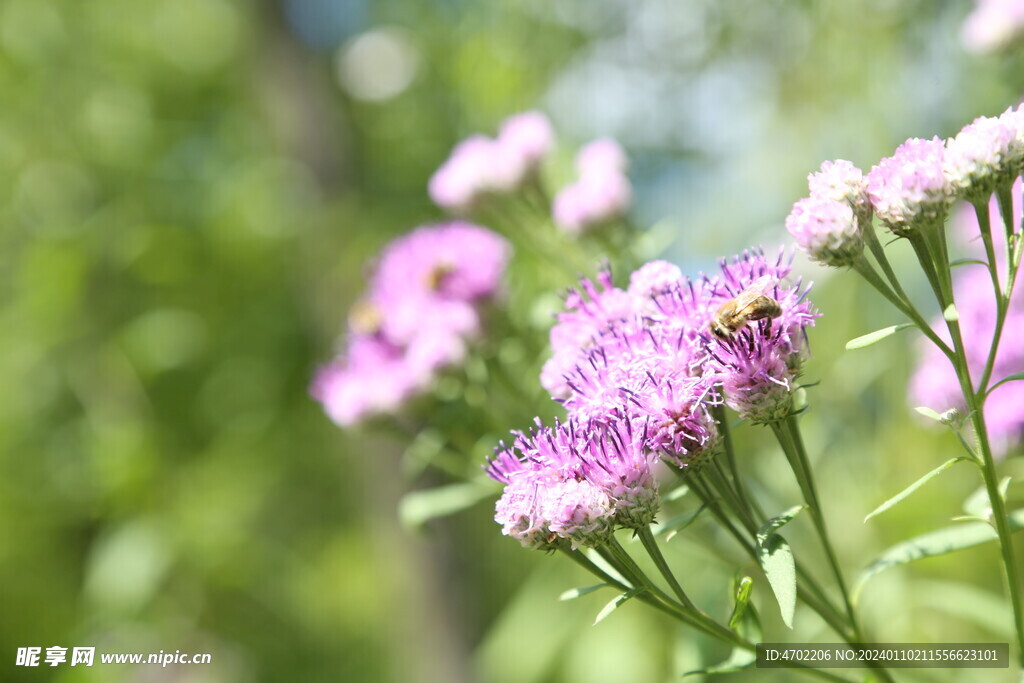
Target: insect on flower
{"points": [[750, 304]]}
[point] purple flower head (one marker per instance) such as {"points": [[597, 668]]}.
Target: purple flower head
{"points": [[981, 157], [372, 380], [827, 230], [422, 307], [910, 186], [454, 261], [574, 481], [934, 383], [590, 310], [677, 412], [756, 369], [757, 364], [651, 279]]}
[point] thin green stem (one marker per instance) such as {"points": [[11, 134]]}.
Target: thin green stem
{"points": [[810, 592], [903, 305], [976, 409], [647, 538], [788, 435], [722, 418], [871, 237]]}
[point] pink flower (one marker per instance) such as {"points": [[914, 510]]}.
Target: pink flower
{"points": [[911, 185], [421, 310], [827, 230], [480, 166], [601, 194]]}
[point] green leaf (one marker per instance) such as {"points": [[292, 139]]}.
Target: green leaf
{"points": [[678, 523], [932, 544], [929, 413], [615, 602], [677, 493], [739, 659], [950, 314], [746, 585], [1015, 377], [876, 336], [419, 507], [776, 560], [899, 497], [574, 593], [989, 610], [745, 622], [779, 521], [966, 261], [978, 505]]}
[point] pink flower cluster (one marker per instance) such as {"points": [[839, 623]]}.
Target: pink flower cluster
{"points": [[914, 186], [481, 166], [422, 306], [643, 362], [829, 225], [601, 194]]}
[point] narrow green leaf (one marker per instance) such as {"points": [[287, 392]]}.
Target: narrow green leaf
{"points": [[1015, 377], [677, 493], [875, 337], [899, 497], [978, 505], [574, 593], [745, 622], [950, 314], [966, 261], [989, 610], [932, 544], [929, 413], [678, 523], [614, 604], [743, 590], [779, 521], [419, 507], [776, 560], [739, 659]]}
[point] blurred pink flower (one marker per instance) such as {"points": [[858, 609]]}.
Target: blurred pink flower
{"points": [[479, 165], [992, 25], [602, 192]]}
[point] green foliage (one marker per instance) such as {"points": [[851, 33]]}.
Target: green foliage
{"points": [[189, 198]]}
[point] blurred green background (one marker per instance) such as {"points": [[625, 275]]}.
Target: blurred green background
{"points": [[189, 193]]}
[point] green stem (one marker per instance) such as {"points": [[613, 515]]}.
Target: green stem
{"points": [[879, 252], [810, 592], [647, 538], [981, 209], [903, 305], [788, 434], [930, 245]]}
